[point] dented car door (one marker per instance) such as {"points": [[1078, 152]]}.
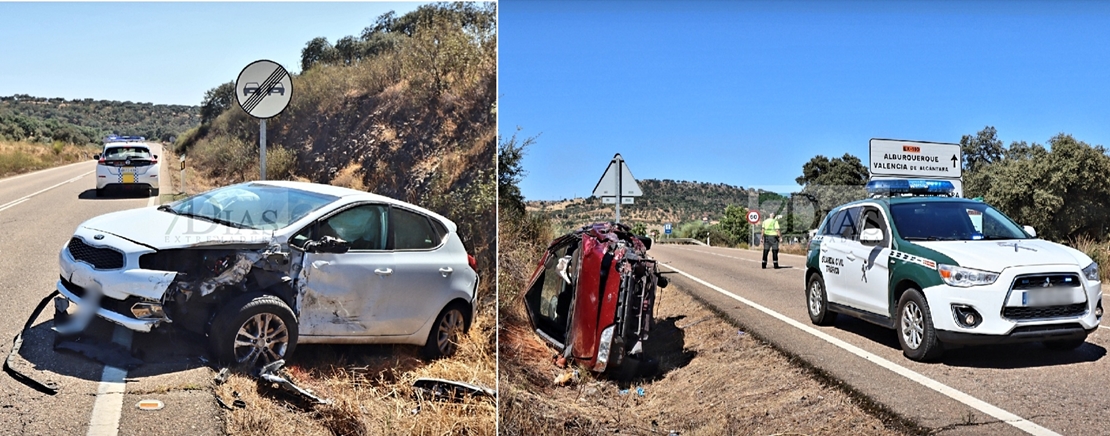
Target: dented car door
{"points": [[339, 292]]}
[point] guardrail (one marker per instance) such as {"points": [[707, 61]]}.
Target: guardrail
{"points": [[678, 241]]}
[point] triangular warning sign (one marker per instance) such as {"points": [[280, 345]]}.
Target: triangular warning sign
{"points": [[607, 186]]}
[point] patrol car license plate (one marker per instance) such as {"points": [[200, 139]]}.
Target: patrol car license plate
{"points": [[1051, 297], [127, 175]]}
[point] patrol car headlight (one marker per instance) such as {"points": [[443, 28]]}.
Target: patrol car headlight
{"points": [[1091, 272], [965, 277]]}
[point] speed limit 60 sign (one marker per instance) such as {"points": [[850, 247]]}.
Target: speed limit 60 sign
{"points": [[753, 216]]}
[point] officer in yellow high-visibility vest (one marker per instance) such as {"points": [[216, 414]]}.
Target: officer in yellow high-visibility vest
{"points": [[771, 236]]}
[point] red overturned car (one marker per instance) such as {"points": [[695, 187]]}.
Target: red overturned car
{"points": [[593, 294]]}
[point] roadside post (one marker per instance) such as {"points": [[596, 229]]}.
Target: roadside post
{"points": [[183, 190], [617, 186], [263, 90], [753, 219]]}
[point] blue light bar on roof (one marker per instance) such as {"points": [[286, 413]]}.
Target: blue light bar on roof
{"points": [[912, 187], [117, 138]]}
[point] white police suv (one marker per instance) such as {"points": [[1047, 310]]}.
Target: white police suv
{"points": [[126, 163], [942, 270]]}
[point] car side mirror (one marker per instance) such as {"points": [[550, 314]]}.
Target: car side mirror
{"points": [[327, 244], [155, 157], [96, 156], [1030, 230], [871, 236]]}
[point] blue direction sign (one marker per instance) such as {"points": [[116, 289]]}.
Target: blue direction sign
{"points": [[667, 228]]}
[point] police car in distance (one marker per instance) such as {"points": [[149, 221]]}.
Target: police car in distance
{"points": [[126, 163], [942, 270]]}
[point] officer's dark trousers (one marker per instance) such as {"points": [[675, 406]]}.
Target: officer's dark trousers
{"points": [[771, 243]]}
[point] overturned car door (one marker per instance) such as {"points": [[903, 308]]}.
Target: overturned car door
{"points": [[593, 294]]}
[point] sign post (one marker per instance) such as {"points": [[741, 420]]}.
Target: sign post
{"points": [[263, 90], [753, 219], [897, 159], [183, 188], [617, 186]]}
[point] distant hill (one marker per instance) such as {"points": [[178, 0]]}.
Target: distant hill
{"points": [[665, 200], [88, 121]]}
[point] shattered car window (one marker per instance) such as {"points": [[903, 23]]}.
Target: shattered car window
{"points": [[251, 205]]}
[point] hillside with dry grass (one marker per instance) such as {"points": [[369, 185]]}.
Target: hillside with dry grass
{"points": [[674, 201], [412, 118]]}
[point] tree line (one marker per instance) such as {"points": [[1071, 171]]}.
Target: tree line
{"points": [[88, 121]]}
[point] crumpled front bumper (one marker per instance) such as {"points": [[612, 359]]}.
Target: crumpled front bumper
{"points": [[82, 284]]}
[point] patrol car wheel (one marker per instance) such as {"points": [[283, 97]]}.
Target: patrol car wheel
{"points": [[818, 302], [916, 334]]}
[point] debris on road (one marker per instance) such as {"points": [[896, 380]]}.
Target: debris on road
{"points": [[440, 389], [46, 387], [566, 378], [221, 377], [270, 374]]}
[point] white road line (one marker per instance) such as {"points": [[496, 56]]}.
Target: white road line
{"points": [[26, 197], [40, 171], [975, 403], [108, 406]]}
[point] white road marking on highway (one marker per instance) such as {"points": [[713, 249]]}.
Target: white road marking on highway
{"points": [[108, 407], [26, 197], [975, 403], [40, 172]]}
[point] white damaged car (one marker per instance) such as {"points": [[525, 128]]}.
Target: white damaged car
{"points": [[262, 266]]}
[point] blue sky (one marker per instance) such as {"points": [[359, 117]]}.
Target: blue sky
{"points": [[746, 92], [169, 53]]}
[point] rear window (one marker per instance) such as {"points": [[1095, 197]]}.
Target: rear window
{"points": [[122, 153]]}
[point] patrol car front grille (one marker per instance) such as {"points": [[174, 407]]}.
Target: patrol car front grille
{"points": [[1044, 312], [98, 257], [1037, 281]]}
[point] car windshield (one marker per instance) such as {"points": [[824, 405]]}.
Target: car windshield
{"points": [[953, 221], [123, 153], [251, 205]]}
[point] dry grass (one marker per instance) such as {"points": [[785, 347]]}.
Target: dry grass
{"points": [[22, 157], [1098, 251], [371, 392]]}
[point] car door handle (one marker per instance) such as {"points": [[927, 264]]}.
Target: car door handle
{"points": [[851, 256], [383, 271], [446, 271]]}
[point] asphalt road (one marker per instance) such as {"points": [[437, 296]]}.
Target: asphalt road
{"points": [[38, 213], [1034, 390]]}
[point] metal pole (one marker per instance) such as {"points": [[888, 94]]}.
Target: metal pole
{"points": [[262, 148], [620, 167], [183, 189]]}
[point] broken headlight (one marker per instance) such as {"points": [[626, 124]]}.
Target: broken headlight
{"points": [[148, 310], [603, 349]]}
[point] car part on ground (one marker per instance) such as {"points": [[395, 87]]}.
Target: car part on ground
{"points": [[272, 374], [592, 296], [46, 387], [449, 390]]}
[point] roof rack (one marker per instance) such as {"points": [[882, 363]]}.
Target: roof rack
{"points": [[910, 187]]}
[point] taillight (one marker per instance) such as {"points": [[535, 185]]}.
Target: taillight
{"points": [[473, 262], [100, 162]]}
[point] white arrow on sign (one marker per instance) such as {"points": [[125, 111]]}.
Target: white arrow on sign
{"points": [[263, 89]]}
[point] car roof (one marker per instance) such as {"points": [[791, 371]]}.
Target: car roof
{"points": [[908, 199]]}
